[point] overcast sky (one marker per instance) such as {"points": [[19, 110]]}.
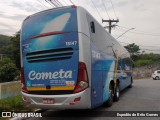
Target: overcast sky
{"points": [[143, 15]]}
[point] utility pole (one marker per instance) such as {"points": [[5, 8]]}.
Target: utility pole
{"points": [[110, 23]]}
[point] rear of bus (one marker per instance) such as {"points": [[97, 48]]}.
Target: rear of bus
{"points": [[52, 75]]}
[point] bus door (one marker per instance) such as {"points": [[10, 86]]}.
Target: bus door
{"points": [[121, 75]]}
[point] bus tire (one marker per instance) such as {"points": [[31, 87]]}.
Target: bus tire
{"points": [[117, 93], [109, 102]]}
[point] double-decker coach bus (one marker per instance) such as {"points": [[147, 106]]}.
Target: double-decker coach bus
{"points": [[68, 61]]}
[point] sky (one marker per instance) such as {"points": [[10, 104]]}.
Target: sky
{"points": [[142, 15]]}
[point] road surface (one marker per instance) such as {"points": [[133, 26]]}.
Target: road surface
{"points": [[143, 96]]}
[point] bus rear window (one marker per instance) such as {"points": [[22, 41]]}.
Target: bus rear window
{"points": [[64, 20]]}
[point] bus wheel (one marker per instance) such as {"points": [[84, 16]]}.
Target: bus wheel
{"points": [[117, 93], [110, 99]]}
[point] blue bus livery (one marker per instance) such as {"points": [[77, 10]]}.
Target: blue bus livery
{"points": [[69, 61]]}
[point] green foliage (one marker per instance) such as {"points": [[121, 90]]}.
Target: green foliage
{"points": [[13, 104], [8, 70], [10, 46], [4, 40], [143, 62], [5, 61], [146, 59], [150, 56], [133, 49], [141, 59], [5, 45], [16, 48]]}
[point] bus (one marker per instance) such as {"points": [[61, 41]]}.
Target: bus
{"points": [[68, 61]]}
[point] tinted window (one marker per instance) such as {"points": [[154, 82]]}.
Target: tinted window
{"points": [[64, 20], [92, 27]]}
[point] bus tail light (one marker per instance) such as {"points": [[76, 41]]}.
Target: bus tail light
{"points": [[82, 82], [24, 89]]}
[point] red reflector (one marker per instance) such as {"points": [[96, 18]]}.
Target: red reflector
{"points": [[77, 99], [24, 98], [28, 102], [73, 6], [71, 103]]}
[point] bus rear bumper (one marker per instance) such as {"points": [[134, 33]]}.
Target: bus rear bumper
{"points": [[79, 100]]}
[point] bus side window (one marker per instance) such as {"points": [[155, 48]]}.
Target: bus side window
{"points": [[127, 67], [92, 27], [119, 67]]}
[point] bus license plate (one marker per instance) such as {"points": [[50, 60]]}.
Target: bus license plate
{"points": [[48, 101]]}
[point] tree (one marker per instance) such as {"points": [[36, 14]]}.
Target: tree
{"points": [[4, 40], [134, 50], [8, 70], [5, 45], [16, 48]]}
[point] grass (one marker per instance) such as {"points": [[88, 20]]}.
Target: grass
{"points": [[13, 104]]}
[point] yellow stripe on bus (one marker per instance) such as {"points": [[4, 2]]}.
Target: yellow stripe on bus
{"points": [[52, 88]]}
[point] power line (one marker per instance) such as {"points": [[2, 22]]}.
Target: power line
{"points": [[54, 3], [65, 2], [105, 8], [71, 2], [49, 3], [58, 3], [150, 49], [123, 27], [141, 33], [96, 9], [125, 32], [42, 4], [139, 45], [113, 9]]}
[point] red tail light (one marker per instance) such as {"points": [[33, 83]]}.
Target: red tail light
{"points": [[73, 6], [24, 89], [82, 82]]}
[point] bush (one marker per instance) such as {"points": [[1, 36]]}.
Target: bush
{"points": [[143, 62], [14, 104], [8, 70], [5, 61]]}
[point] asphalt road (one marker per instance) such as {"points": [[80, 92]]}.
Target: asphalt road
{"points": [[143, 96]]}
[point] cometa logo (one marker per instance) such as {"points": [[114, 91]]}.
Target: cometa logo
{"points": [[33, 75]]}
